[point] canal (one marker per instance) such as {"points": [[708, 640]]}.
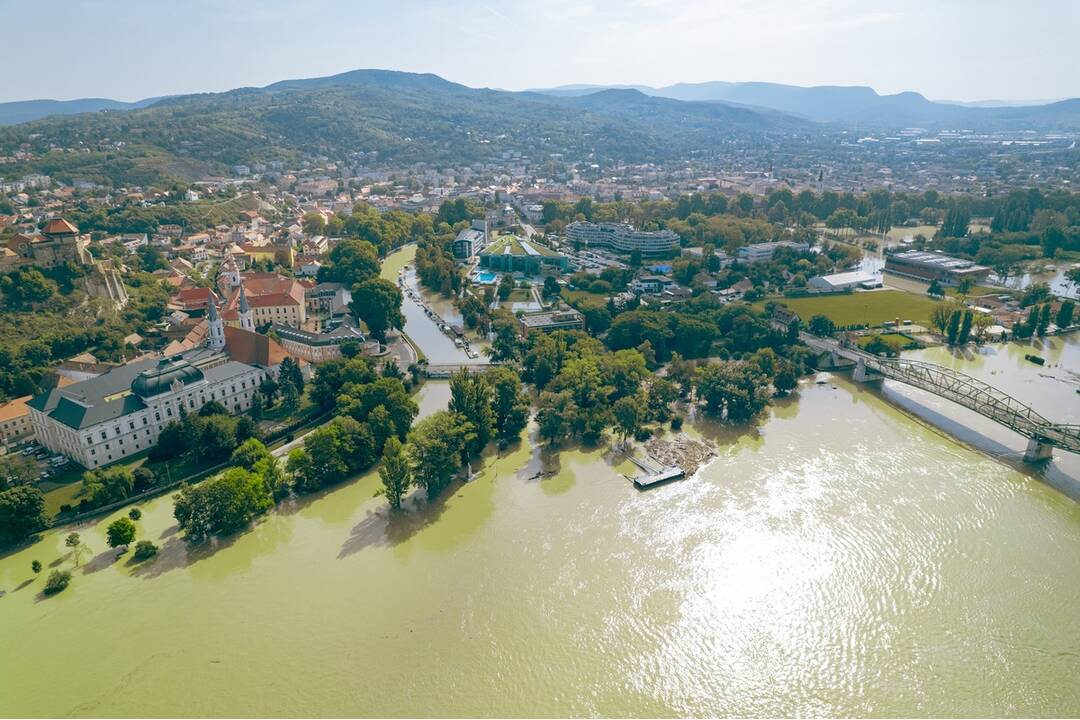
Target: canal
{"points": [[844, 557], [436, 345]]}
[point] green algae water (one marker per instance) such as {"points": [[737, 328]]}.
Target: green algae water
{"points": [[845, 557]]}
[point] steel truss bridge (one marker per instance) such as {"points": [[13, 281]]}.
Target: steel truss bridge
{"points": [[964, 390]]}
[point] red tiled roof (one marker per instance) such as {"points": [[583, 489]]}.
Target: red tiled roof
{"points": [[60, 226], [252, 348]]}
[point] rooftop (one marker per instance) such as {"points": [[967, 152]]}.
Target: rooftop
{"points": [[513, 245]]}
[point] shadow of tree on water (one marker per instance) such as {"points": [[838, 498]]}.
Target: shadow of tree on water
{"points": [[383, 527]]}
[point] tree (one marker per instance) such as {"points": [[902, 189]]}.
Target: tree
{"points": [[35, 566], [551, 287], [74, 542], [965, 328], [120, 532], [16, 469], [635, 258], [352, 261], [510, 403], [821, 326], [320, 462], [22, 511], [555, 414], [436, 448], [940, 315], [628, 412], [506, 286], [249, 454], [290, 372], [735, 389], [965, 285], [213, 408], [882, 346], [785, 377], [290, 398], [57, 581], [935, 289], [144, 479], [1044, 320], [1065, 314], [361, 402], [268, 389], [1035, 294], [258, 407], [144, 550], [659, 397], [335, 375], [221, 505], [135, 514], [394, 472], [952, 331], [313, 223], [378, 303]]}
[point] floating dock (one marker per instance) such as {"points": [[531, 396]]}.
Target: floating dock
{"points": [[667, 474], [655, 474]]}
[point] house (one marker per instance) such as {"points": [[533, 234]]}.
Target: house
{"points": [[651, 284], [550, 321]]}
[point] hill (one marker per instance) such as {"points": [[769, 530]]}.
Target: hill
{"points": [[863, 106], [389, 116], [12, 113]]}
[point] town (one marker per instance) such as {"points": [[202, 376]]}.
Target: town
{"points": [[335, 391]]}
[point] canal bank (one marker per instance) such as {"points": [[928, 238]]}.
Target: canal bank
{"points": [[840, 558]]}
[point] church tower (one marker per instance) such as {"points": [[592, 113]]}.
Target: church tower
{"points": [[215, 336], [231, 272], [247, 318]]}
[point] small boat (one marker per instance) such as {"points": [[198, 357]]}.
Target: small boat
{"points": [[822, 378], [1035, 359]]}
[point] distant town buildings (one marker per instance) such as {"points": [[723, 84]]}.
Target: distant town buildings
{"points": [[621, 237]]}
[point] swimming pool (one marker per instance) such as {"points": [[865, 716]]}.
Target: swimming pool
{"points": [[486, 278]]}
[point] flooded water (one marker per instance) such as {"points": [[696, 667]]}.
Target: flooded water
{"points": [[1060, 285], [422, 329], [843, 558]]}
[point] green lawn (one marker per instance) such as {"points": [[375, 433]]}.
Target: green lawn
{"points": [[584, 298], [395, 261], [520, 295], [870, 308], [903, 341]]}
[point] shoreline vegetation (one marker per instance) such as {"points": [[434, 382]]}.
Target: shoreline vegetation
{"points": [[632, 372]]}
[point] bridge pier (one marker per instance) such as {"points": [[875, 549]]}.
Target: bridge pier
{"points": [[863, 375], [1038, 451]]}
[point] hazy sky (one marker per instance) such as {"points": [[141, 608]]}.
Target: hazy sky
{"points": [[946, 49]]}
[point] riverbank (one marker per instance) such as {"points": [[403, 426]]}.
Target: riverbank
{"points": [[836, 539]]}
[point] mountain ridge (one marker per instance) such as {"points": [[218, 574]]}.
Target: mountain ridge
{"points": [[859, 104]]}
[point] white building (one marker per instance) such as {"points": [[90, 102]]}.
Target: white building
{"points": [[622, 237], [838, 282], [763, 252], [120, 413]]}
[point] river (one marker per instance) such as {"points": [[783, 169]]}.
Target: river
{"points": [[845, 557], [436, 345]]}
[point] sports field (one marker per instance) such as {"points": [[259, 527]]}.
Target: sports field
{"points": [[864, 308]]}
